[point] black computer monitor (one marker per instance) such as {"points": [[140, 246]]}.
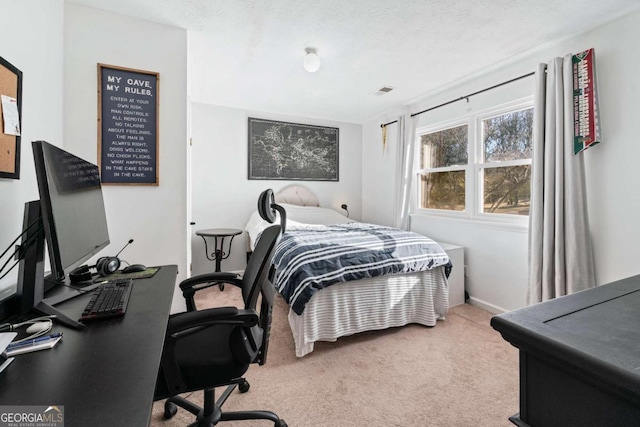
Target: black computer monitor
{"points": [[72, 207], [71, 216]]}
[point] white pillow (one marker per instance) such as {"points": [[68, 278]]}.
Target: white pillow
{"points": [[255, 226], [296, 215], [314, 215]]}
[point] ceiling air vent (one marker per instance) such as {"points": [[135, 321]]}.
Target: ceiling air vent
{"points": [[383, 90]]}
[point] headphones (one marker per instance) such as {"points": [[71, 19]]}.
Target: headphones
{"points": [[81, 274], [105, 266]]}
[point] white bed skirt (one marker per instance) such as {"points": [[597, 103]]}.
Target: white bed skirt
{"points": [[370, 304]]}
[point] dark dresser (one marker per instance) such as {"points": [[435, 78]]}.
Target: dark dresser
{"points": [[579, 357]]}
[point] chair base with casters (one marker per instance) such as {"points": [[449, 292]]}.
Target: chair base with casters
{"points": [[212, 413]]}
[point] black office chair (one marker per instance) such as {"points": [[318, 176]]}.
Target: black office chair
{"points": [[214, 347]]}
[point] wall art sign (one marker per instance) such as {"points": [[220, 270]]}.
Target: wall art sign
{"points": [[585, 101], [128, 126], [292, 151]]}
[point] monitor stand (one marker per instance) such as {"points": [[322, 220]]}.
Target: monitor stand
{"points": [[31, 280]]}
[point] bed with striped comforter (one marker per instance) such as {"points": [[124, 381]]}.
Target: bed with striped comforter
{"points": [[310, 258], [337, 308]]}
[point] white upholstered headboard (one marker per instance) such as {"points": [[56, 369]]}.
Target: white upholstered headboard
{"points": [[297, 195]]}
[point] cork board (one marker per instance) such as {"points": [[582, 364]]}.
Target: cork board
{"points": [[11, 85]]}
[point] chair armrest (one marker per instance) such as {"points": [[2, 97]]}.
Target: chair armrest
{"points": [[184, 324], [196, 283], [222, 276]]}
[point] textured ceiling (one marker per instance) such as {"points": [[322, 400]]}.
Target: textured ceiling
{"points": [[248, 53]]}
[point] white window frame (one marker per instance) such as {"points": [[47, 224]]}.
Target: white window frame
{"points": [[473, 169], [468, 200]]}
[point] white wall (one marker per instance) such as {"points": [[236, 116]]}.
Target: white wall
{"points": [[223, 196], [612, 166], [497, 256], [154, 216], [59, 98], [31, 40]]}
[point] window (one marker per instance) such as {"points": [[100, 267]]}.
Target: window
{"points": [[479, 166], [444, 158], [505, 167]]}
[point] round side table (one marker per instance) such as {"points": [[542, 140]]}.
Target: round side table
{"points": [[218, 254]]}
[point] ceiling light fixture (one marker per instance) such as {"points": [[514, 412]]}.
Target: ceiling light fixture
{"points": [[311, 61]]}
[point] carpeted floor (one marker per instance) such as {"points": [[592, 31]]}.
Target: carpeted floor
{"points": [[458, 373]]}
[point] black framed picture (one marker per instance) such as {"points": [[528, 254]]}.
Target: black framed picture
{"points": [[128, 126], [292, 151]]}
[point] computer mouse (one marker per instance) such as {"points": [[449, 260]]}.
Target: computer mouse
{"points": [[38, 327], [134, 268]]}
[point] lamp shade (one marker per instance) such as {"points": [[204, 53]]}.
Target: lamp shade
{"points": [[311, 61]]}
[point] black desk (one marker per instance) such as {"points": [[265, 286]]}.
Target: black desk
{"points": [[579, 357], [104, 374]]}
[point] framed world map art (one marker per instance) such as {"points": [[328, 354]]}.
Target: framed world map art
{"points": [[292, 151]]}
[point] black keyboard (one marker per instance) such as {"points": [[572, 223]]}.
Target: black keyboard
{"points": [[108, 300]]}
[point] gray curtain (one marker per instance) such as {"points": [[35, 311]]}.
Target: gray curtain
{"points": [[404, 170], [561, 254]]}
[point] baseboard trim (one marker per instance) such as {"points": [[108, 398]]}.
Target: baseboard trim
{"points": [[486, 306]]}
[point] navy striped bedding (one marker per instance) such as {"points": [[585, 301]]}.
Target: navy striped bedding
{"points": [[312, 257]]}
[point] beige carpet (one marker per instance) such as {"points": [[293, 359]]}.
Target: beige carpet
{"points": [[458, 373]]}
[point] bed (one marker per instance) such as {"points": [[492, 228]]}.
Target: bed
{"points": [[394, 293]]}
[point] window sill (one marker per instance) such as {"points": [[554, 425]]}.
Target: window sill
{"points": [[505, 225]]}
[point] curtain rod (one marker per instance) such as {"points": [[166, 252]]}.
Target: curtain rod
{"points": [[465, 97]]}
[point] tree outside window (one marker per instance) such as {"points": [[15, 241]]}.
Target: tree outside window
{"points": [[506, 168], [443, 156]]}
